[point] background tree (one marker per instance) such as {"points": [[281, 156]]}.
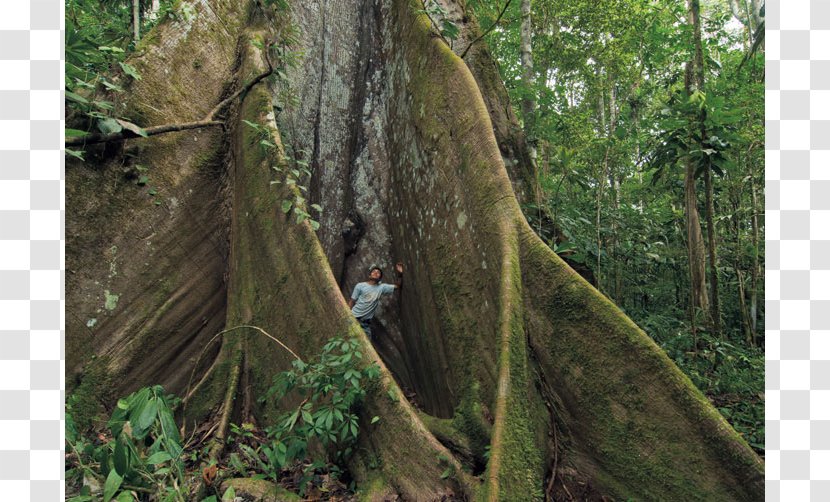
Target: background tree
{"points": [[626, 211]]}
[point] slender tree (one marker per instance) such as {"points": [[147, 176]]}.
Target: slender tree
{"points": [[699, 299]]}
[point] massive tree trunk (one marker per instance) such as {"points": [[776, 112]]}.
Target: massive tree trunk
{"points": [[502, 343]]}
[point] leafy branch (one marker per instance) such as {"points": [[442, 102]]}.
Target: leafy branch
{"points": [[126, 130], [448, 31]]}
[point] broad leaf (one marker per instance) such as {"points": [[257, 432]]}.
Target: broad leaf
{"points": [[130, 70], [109, 126], [111, 485]]}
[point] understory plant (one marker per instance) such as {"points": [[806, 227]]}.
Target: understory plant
{"points": [[323, 427], [141, 457]]}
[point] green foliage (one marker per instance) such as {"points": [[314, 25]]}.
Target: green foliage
{"points": [[98, 40], [142, 455], [297, 174], [323, 427], [331, 390], [613, 128], [448, 30]]}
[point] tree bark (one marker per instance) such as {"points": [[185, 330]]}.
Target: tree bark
{"points": [[136, 21], [529, 103], [756, 242], [698, 297], [699, 72], [500, 339]]}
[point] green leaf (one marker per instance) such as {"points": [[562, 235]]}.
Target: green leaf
{"points": [[125, 497], [143, 180], [229, 495], [212, 498], [121, 455], [71, 96], [152, 191], [113, 87], [315, 225], [130, 70], [159, 457], [375, 420], [317, 207], [450, 30], [111, 485], [447, 472], [286, 206], [116, 50], [103, 105], [292, 420], [109, 126], [237, 464], [75, 153], [146, 417]]}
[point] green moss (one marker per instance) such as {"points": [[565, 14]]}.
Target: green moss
{"points": [[470, 421], [259, 489], [87, 400], [638, 424], [206, 399], [375, 487]]}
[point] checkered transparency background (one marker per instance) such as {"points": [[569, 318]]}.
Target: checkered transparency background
{"points": [[797, 250], [31, 250]]}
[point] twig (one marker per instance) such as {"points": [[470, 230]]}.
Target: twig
{"points": [[488, 30], [437, 29], [138, 489], [549, 489], [204, 349], [207, 121], [92, 139]]}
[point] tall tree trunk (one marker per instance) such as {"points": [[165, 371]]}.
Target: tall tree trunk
{"points": [[756, 267], [528, 76], [698, 296], [529, 102], [613, 185], [600, 176], [714, 310], [155, 5], [136, 21], [699, 72], [504, 353]]}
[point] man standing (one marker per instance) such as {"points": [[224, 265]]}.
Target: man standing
{"points": [[366, 295]]}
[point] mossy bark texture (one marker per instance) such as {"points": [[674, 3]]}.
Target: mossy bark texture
{"points": [[501, 343]]}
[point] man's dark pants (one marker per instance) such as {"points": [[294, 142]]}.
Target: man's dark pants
{"points": [[366, 324]]}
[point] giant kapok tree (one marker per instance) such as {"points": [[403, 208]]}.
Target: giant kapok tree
{"points": [[414, 156]]}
